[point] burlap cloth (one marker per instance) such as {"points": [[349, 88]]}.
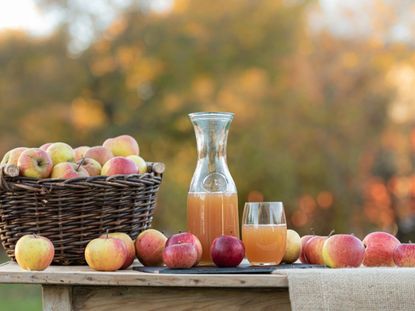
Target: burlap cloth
{"points": [[351, 289]]}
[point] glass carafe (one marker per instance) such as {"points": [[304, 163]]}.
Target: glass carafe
{"points": [[212, 203]]}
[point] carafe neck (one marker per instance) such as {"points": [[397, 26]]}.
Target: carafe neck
{"points": [[212, 173], [211, 131]]}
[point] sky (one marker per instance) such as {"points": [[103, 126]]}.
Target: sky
{"points": [[344, 18], [25, 15]]}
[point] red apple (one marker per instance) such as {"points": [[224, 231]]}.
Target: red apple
{"points": [[186, 237], [119, 165], [123, 145], [99, 154], [149, 247], [35, 163], [379, 249], [65, 170], [304, 240], [183, 255], [313, 250], [404, 255], [61, 152], [34, 252], [80, 152], [106, 254], [91, 166], [343, 250], [227, 251], [129, 243], [12, 156]]}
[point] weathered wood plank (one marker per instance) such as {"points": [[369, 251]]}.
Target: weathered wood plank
{"points": [[82, 275], [57, 298], [88, 298]]}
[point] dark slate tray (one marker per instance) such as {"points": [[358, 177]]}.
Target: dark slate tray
{"points": [[241, 269]]}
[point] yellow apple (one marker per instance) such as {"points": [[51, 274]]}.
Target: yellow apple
{"points": [[106, 254], [35, 163], [12, 156], [34, 252], [140, 162], [129, 243], [61, 152], [293, 247]]}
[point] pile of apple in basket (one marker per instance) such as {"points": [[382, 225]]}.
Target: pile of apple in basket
{"points": [[119, 155]]}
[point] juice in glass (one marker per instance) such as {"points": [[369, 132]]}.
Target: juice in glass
{"points": [[210, 215], [264, 243]]}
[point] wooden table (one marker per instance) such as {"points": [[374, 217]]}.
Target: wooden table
{"points": [[79, 288]]}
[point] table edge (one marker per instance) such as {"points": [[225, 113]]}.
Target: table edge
{"points": [[13, 275]]}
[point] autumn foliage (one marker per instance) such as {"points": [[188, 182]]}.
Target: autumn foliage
{"points": [[316, 125]]}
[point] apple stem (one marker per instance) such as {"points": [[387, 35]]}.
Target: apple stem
{"points": [[107, 234], [331, 233], [80, 163], [409, 241]]}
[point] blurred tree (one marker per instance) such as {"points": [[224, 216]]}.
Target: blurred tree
{"points": [[311, 108]]}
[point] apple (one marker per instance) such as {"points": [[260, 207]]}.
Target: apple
{"points": [[12, 156], [149, 247], [140, 162], [45, 147], [227, 251], [304, 240], [106, 254], [129, 243], [99, 154], [65, 170], [119, 165], [123, 145], [91, 166], [404, 255], [34, 252], [183, 255], [379, 249], [292, 247], [343, 250], [35, 163], [313, 250], [80, 152], [61, 152], [186, 237]]}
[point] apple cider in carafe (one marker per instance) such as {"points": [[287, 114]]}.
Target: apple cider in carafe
{"points": [[210, 215], [212, 202]]}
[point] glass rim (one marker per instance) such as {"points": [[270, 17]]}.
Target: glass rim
{"points": [[211, 115], [268, 202]]}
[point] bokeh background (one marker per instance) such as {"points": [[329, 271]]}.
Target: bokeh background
{"points": [[323, 93]]}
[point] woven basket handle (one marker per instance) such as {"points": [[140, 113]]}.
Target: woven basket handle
{"points": [[9, 170], [156, 167]]}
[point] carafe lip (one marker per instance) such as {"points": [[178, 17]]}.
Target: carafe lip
{"points": [[211, 115]]}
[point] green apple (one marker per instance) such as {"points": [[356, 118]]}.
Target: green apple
{"points": [[61, 152]]}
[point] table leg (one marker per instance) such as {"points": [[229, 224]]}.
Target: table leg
{"points": [[57, 298]]}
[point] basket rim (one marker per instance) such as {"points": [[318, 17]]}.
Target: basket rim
{"points": [[153, 175]]}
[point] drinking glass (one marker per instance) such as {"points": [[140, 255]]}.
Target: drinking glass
{"points": [[264, 232]]}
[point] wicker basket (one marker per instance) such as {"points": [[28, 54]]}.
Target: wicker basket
{"points": [[74, 211]]}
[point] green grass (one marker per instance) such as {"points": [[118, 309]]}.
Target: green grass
{"points": [[17, 297]]}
